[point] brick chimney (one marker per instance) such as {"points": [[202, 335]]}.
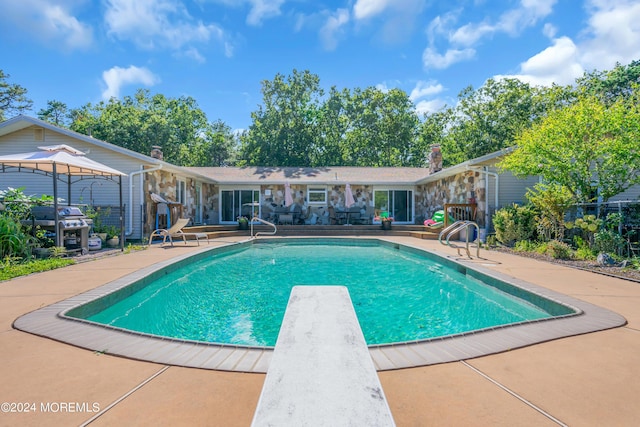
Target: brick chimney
{"points": [[156, 152], [435, 159]]}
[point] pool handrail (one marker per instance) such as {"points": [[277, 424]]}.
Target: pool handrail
{"points": [[457, 227], [271, 233]]}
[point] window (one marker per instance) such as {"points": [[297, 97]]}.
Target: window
{"points": [[181, 191], [398, 204], [317, 195]]}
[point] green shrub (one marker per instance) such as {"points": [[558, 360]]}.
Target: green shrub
{"points": [[558, 250], [608, 241], [13, 241], [525, 246], [551, 201], [10, 270], [514, 223]]}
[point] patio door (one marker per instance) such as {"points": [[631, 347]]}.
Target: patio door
{"points": [[398, 203], [235, 203]]}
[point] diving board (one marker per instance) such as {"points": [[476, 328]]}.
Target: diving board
{"points": [[321, 373]]}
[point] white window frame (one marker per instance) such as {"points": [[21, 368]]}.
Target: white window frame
{"points": [[316, 190], [181, 191]]}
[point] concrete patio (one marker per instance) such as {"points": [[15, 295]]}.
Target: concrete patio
{"points": [[586, 380]]}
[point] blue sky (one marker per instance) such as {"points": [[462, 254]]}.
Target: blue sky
{"points": [[219, 51]]}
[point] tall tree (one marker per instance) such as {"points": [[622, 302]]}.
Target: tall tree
{"points": [[586, 146], [13, 98], [138, 123], [488, 119], [56, 113], [611, 84], [284, 130], [381, 130]]}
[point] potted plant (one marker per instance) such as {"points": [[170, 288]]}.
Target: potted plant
{"points": [[385, 221], [243, 223], [113, 236]]}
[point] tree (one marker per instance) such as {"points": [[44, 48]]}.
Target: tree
{"points": [[612, 84], [584, 147], [13, 98], [56, 113], [488, 119], [381, 129], [138, 123], [285, 131]]}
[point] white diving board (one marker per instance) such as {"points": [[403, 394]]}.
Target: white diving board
{"points": [[321, 373]]}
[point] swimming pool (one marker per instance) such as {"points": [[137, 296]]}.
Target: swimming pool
{"points": [[239, 296], [54, 322]]}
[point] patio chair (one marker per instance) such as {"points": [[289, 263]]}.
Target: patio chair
{"points": [[175, 231]]}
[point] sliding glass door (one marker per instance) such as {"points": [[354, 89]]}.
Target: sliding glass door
{"points": [[235, 203], [398, 203]]}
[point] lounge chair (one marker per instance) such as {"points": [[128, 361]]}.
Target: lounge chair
{"points": [[175, 231]]}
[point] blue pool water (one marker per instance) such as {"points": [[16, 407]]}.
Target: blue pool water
{"points": [[240, 296]]}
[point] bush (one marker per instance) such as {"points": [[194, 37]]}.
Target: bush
{"points": [[609, 242], [559, 250], [514, 223], [526, 246], [13, 241]]}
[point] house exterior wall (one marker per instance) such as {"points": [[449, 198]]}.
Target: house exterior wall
{"points": [[466, 187]]}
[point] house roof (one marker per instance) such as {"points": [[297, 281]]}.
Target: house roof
{"points": [[338, 175], [486, 160], [21, 122]]}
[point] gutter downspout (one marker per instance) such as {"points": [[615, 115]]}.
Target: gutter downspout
{"points": [[141, 172]]}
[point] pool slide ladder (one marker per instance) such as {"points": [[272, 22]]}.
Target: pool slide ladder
{"points": [[458, 227], [271, 233]]}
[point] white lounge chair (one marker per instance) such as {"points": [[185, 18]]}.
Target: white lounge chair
{"points": [[175, 231]]}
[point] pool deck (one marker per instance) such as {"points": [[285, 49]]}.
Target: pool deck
{"points": [[586, 380]]}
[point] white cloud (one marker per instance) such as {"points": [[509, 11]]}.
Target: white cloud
{"points": [[51, 23], [116, 77], [431, 106], [333, 27], [558, 64], [364, 9], [259, 11], [432, 59], [463, 39], [424, 89], [613, 34], [263, 9], [154, 24]]}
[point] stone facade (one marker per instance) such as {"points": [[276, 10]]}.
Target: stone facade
{"points": [[466, 187]]}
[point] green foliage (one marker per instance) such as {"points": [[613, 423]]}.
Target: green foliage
{"points": [[514, 223], [555, 249], [586, 227], [488, 119], [14, 243], [13, 98], [581, 144], [9, 270], [608, 241], [525, 246], [551, 202], [142, 121], [57, 113], [299, 126], [558, 250]]}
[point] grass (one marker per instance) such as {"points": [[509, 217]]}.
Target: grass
{"points": [[10, 270]]}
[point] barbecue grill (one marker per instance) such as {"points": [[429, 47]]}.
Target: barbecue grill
{"points": [[72, 229]]}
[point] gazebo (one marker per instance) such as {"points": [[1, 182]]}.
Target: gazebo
{"points": [[66, 164]]}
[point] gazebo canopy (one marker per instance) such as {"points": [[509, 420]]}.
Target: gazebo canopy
{"points": [[62, 159]]}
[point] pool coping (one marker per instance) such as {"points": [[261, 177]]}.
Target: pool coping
{"points": [[50, 322]]}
